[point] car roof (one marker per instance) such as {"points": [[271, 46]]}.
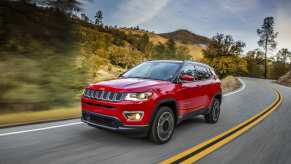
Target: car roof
{"points": [[167, 61], [181, 61]]}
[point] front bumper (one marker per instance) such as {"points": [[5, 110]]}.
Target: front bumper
{"points": [[110, 123], [117, 109]]}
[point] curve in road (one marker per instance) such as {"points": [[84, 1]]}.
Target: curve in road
{"points": [[82, 144], [78, 122], [201, 150]]}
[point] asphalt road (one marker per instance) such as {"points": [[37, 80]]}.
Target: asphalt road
{"points": [[74, 142]]}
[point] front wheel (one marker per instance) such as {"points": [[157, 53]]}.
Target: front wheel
{"points": [[213, 115], [163, 126]]}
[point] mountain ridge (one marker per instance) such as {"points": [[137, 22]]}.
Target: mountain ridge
{"points": [[186, 36]]}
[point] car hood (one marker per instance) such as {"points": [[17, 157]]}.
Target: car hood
{"points": [[128, 84]]}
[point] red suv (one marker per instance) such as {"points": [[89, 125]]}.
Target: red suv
{"points": [[153, 97]]}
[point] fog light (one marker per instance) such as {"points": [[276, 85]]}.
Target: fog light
{"points": [[133, 115]]}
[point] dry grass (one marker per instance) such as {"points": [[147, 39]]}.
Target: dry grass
{"points": [[230, 83], [108, 72], [30, 117], [194, 50], [156, 39]]}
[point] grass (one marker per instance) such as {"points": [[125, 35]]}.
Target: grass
{"points": [[30, 117], [20, 118]]}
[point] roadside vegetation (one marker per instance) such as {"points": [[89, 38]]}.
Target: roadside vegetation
{"points": [[49, 50], [285, 79], [230, 83], [47, 54]]}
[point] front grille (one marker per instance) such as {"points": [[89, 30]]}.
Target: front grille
{"points": [[104, 95], [99, 119]]}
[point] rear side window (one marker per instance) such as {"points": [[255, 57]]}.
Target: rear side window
{"points": [[188, 70], [201, 72]]}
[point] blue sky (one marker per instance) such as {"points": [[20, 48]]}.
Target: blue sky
{"points": [[240, 18]]}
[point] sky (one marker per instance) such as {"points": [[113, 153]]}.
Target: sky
{"points": [[239, 18]]}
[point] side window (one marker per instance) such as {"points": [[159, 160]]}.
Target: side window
{"points": [[201, 73], [188, 70]]}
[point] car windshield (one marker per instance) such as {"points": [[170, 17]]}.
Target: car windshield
{"points": [[154, 70]]}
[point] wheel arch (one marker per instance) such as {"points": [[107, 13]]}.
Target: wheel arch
{"points": [[169, 102], [218, 96]]}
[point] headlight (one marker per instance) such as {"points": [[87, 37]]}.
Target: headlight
{"points": [[138, 96]]}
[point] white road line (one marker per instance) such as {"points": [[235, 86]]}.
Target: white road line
{"points": [[40, 129], [236, 91], [77, 123]]}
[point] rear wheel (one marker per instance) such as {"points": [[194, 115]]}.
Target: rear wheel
{"points": [[163, 126], [214, 113]]}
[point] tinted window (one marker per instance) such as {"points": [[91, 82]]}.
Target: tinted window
{"points": [[188, 70], [154, 70], [201, 72]]}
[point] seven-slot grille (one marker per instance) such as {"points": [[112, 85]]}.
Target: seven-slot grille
{"points": [[104, 95]]}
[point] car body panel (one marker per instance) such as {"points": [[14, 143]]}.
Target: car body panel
{"points": [[189, 97]]}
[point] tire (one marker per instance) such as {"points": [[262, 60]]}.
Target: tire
{"points": [[214, 112], [163, 126]]}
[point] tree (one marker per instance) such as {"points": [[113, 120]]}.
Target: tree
{"points": [[223, 45], [267, 38], [171, 45], [98, 18], [63, 5], [283, 56], [255, 59], [144, 45], [280, 65], [223, 54], [85, 18], [124, 57], [26, 1], [256, 55], [59, 5]]}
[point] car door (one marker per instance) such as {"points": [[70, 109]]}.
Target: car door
{"points": [[204, 79], [190, 93]]}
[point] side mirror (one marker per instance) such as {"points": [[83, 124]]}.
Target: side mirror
{"points": [[187, 78], [120, 75]]}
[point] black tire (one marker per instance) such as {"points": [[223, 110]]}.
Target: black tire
{"points": [[163, 126], [214, 112]]}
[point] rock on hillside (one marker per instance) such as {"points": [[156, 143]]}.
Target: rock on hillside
{"points": [[285, 79]]}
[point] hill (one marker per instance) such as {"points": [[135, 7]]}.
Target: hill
{"points": [[195, 50], [186, 37], [47, 56]]}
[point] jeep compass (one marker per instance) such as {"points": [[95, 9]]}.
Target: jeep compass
{"points": [[153, 97]]}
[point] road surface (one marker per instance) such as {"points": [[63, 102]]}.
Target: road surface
{"points": [[74, 142]]}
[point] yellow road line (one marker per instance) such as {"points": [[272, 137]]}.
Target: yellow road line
{"points": [[186, 157]]}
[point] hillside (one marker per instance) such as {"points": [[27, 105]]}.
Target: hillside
{"points": [[50, 55], [186, 37], [195, 47]]}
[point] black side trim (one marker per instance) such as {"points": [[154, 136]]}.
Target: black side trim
{"points": [[193, 114]]}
